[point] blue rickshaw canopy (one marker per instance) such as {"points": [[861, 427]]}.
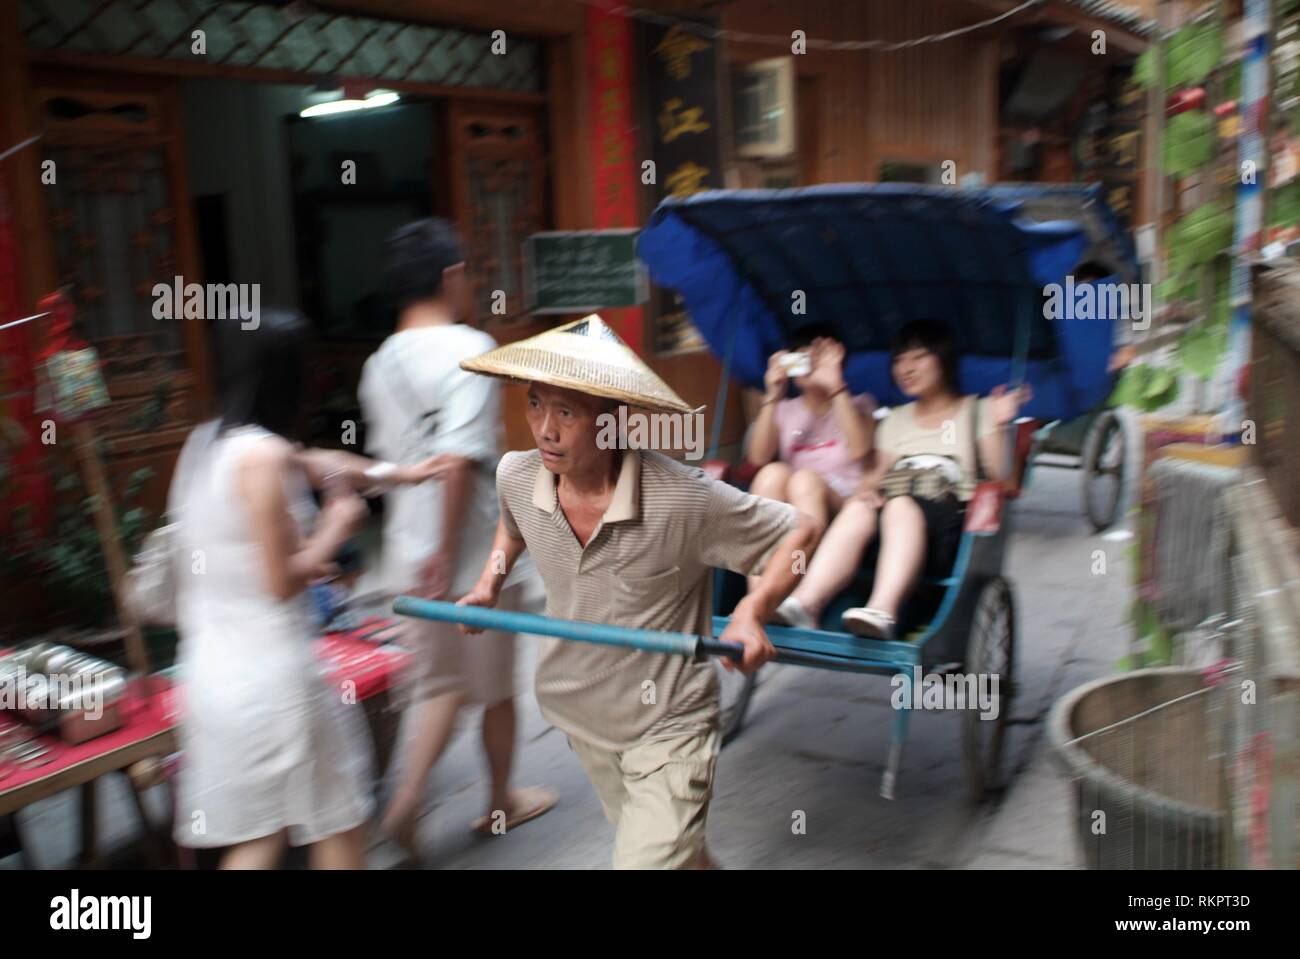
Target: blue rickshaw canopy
{"points": [[752, 266]]}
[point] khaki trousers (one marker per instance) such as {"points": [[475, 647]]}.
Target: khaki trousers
{"points": [[656, 794]]}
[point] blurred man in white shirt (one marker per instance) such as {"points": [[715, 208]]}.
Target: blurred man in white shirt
{"points": [[417, 403]]}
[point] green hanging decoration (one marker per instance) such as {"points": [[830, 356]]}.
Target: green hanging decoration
{"points": [[1178, 287], [1189, 142], [1201, 346], [1145, 388], [1193, 53], [1199, 237], [1232, 82]]}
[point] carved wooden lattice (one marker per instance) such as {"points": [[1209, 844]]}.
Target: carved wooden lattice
{"points": [[113, 230], [297, 37], [501, 202]]}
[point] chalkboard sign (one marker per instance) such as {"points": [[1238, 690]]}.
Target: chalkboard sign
{"points": [[583, 270]]}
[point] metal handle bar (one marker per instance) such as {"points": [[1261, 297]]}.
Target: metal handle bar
{"points": [[508, 621]]}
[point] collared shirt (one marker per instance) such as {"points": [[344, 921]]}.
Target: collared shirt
{"points": [[647, 565]]}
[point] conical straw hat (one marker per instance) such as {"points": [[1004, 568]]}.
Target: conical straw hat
{"points": [[587, 356]]}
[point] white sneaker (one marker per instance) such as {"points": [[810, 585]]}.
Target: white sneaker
{"points": [[868, 622], [792, 613]]}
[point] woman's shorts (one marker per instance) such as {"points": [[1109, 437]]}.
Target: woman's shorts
{"points": [[944, 520]]}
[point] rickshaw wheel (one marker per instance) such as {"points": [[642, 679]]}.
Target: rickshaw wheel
{"points": [[990, 650], [1104, 457], [737, 689]]}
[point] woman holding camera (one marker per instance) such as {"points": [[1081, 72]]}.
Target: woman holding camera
{"points": [[811, 448], [929, 457]]}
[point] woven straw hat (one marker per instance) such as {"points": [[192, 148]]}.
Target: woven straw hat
{"points": [[587, 356]]}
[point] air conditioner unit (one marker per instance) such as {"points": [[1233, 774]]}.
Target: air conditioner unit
{"points": [[764, 108]]}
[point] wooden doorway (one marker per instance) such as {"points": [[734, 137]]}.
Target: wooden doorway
{"points": [[498, 197], [118, 220]]}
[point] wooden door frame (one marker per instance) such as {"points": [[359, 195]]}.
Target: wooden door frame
{"points": [[166, 93], [460, 109], [18, 123]]}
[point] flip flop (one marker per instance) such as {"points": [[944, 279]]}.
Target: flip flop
{"points": [[533, 801]]}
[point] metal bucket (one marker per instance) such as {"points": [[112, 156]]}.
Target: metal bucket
{"points": [[1144, 750]]}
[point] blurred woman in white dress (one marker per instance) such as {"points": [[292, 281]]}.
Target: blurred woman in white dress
{"points": [[273, 755]]}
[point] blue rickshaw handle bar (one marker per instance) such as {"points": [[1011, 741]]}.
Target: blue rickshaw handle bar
{"points": [[508, 621]]}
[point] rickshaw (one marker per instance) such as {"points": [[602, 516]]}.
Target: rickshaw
{"points": [[750, 266], [866, 259]]}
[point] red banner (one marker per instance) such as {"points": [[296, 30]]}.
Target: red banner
{"points": [[613, 141], [23, 482]]}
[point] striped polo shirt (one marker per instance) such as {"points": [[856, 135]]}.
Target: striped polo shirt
{"points": [[648, 566]]}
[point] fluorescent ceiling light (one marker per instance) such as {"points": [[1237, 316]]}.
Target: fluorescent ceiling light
{"points": [[375, 98]]}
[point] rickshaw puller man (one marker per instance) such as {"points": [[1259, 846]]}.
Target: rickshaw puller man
{"points": [[630, 538]]}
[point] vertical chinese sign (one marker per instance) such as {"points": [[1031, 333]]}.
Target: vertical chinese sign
{"points": [[613, 139], [682, 66]]}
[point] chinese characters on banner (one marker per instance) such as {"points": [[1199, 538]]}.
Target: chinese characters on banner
{"points": [[685, 122], [613, 141]]}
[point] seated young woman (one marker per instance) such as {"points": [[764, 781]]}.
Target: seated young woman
{"points": [[916, 492], [812, 447]]}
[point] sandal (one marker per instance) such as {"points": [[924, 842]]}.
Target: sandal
{"points": [[531, 802], [869, 623]]}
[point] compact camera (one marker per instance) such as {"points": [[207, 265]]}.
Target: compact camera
{"points": [[797, 364]]}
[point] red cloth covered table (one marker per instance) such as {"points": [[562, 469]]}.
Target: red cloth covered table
{"points": [[151, 710], [147, 730]]}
